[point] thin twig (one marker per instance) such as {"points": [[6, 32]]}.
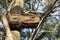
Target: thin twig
{"points": [[7, 29], [49, 31], [9, 8], [33, 37], [55, 14]]}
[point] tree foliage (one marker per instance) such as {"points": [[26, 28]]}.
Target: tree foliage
{"points": [[41, 6]]}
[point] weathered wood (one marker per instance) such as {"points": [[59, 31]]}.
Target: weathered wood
{"points": [[27, 21], [16, 35], [10, 35], [23, 19], [6, 26], [19, 3]]}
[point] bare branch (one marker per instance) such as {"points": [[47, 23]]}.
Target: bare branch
{"points": [[49, 31], [55, 14], [33, 37], [6, 26], [9, 8]]}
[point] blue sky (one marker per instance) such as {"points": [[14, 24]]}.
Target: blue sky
{"points": [[1, 25]]}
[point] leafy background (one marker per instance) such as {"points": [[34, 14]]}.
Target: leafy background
{"points": [[50, 29]]}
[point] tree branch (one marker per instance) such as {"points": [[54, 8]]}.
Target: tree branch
{"points": [[33, 37], [6, 26], [55, 14], [44, 33], [9, 8]]}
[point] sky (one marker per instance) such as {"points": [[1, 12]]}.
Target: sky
{"points": [[1, 25]]}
